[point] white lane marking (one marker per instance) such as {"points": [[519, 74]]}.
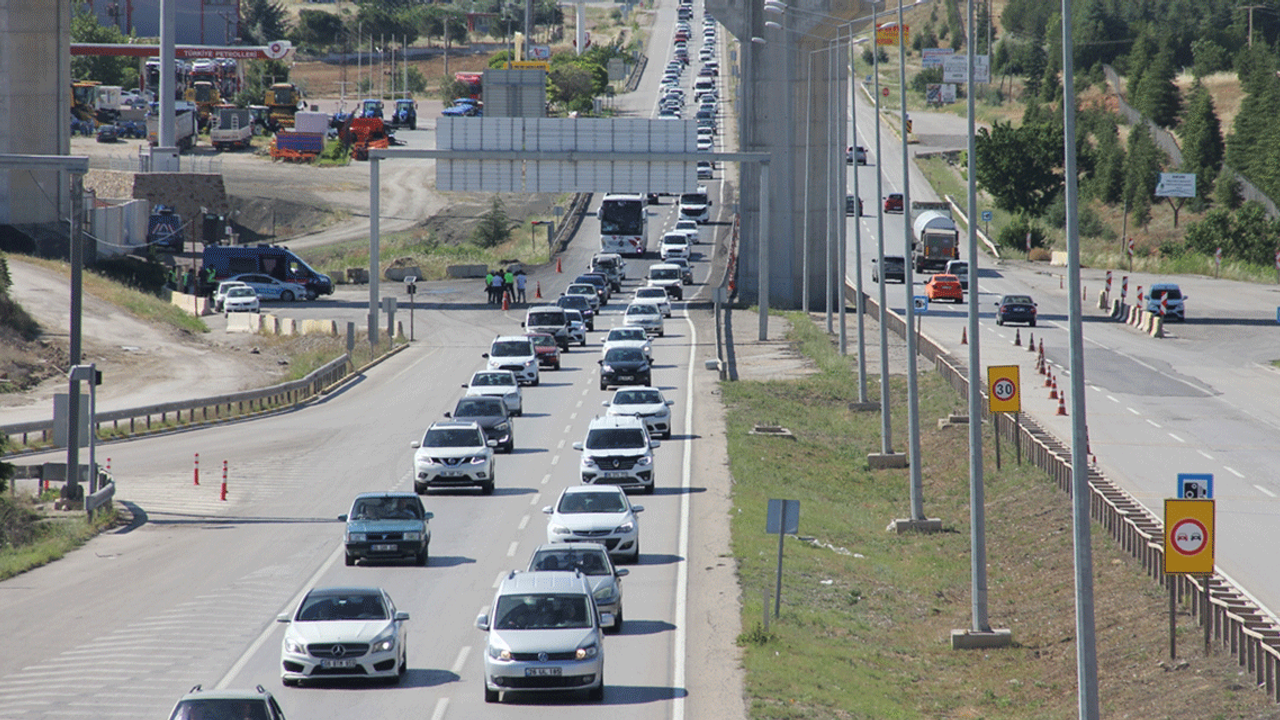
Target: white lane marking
{"points": [[1265, 491], [678, 649], [546, 478], [579, 404], [462, 656], [1233, 471], [1135, 412], [560, 445], [555, 460], [573, 416], [1153, 422], [511, 549], [1206, 455], [524, 522], [534, 500], [1175, 437], [567, 428], [1112, 398], [442, 706]]}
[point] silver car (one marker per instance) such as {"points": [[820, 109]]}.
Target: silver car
{"points": [[644, 315], [544, 635], [592, 561]]}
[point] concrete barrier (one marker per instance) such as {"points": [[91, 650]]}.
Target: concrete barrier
{"points": [[398, 274], [358, 276], [318, 327], [194, 304], [1102, 299], [466, 271], [1157, 327], [287, 326], [244, 322], [1058, 258]]}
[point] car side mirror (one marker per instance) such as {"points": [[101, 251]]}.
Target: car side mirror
{"points": [[484, 355], [448, 414], [600, 362], [655, 443], [637, 508], [547, 510], [492, 443], [429, 515], [671, 402], [283, 618], [521, 323], [606, 619], [621, 572], [482, 621], [604, 403], [343, 518], [415, 444], [577, 446], [463, 385], [401, 616]]}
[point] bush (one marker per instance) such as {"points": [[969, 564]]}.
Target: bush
{"points": [[495, 226], [1014, 235], [143, 275]]}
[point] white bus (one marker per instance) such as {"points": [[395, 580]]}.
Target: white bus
{"points": [[623, 224]]}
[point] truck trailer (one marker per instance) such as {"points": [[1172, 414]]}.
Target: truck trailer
{"points": [[935, 239]]}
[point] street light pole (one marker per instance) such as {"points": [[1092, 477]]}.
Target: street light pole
{"points": [[886, 428]]}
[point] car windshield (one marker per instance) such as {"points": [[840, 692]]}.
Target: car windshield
{"points": [[543, 341], [641, 309], [616, 439], [492, 379], [240, 292], [204, 708], [545, 318], [591, 561], [675, 240], [693, 199], [624, 354], [319, 607], [511, 348], [626, 334], [577, 302], [582, 289], [664, 274], [478, 407], [1017, 300], [541, 612], [637, 397], [573, 315], [387, 508], [1171, 293], [451, 437], [651, 293]]}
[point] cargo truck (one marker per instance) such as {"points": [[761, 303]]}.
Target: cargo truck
{"points": [[935, 240], [184, 119], [232, 128]]}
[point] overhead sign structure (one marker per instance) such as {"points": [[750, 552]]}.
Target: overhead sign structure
{"points": [[275, 50], [1188, 536], [956, 69], [1181, 185], [1003, 388], [1195, 486]]}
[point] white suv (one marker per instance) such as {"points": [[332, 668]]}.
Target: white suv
{"points": [[514, 353], [618, 451], [674, 244], [453, 454]]}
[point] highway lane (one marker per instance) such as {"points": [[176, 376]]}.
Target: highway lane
{"points": [[1203, 399]]}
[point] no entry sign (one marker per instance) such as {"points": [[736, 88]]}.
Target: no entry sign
{"points": [[1188, 536]]}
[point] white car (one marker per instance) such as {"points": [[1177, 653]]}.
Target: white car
{"points": [[577, 326], [628, 337], [674, 244], [646, 403], [241, 299], [645, 316], [344, 632], [599, 514], [453, 453], [668, 277], [656, 296], [514, 353], [690, 227], [221, 293], [498, 383]]}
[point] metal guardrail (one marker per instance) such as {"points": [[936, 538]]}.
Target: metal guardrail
{"points": [[572, 221], [133, 421], [1236, 623]]}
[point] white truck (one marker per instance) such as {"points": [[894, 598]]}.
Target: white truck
{"points": [[936, 240], [184, 119], [231, 128]]}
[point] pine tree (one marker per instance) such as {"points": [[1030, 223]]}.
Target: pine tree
{"points": [[1157, 96], [1141, 173], [495, 226], [1140, 57], [1202, 145]]}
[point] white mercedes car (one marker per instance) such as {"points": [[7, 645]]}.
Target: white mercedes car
{"points": [[344, 632]]}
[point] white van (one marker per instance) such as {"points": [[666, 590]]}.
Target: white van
{"points": [[549, 319]]}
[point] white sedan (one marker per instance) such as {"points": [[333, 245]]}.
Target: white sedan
{"points": [[646, 316], [628, 337], [240, 299], [597, 514], [344, 632], [646, 403], [498, 383], [654, 295]]}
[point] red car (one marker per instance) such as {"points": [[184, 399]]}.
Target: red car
{"points": [[944, 287], [893, 203], [546, 349]]}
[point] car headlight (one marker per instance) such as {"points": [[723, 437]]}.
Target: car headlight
{"points": [[499, 653], [384, 642], [502, 427], [645, 460], [559, 530], [607, 368], [626, 527], [588, 462], [413, 536], [588, 651], [294, 646], [356, 537], [479, 460], [605, 594], [527, 363]]}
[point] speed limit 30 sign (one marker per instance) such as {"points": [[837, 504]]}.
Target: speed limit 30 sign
{"points": [[1002, 388], [1188, 536]]}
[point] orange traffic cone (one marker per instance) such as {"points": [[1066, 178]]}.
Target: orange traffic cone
{"points": [[1031, 344], [1048, 376], [505, 305], [1062, 404], [1017, 338], [558, 267], [1041, 347], [1053, 388], [964, 336], [537, 291]]}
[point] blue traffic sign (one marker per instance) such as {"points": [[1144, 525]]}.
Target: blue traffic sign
{"points": [[1195, 486], [921, 304], [987, 215]]}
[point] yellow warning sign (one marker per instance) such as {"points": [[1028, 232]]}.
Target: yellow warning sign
{"points": [[1188, 536], [1002, 388]]}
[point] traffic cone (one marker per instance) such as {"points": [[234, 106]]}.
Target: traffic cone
{"points": [[964, 336], [1031, 344], [1062, 404], [505, 305], [558, 266], [1048, 376], [1053, 388], [537, 291], [1017, 338], [1041, 347]]}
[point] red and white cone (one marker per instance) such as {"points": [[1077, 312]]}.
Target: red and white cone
{"points": [[1031, 344], [1053, 388], [537, 291], [964, 336], [1017, 338], [1062, 405]]}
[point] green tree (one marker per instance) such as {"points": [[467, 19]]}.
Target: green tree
{"points": [[1210, 57], [317, 30], [1202, 144], [1156, 95], [258, 76], [451, 88], [1027, 17], [1020, 167], [85, 28], [1141, 173], [1140, 56], [495, 226], [1097, 33], [575, 85], [263, 21], [1226, 190]]}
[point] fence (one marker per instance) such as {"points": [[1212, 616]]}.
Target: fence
{"points": [[1169, 144], [140, 163], [154, 418], [1236, 623]]}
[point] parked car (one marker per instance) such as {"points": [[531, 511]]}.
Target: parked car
{"points": [[453, 453], [593, 561], [269, 288], [944, 287], [1167, 299], [330, 623], [241, 299], [1016, 309], [108, 134], [491, 414], [387, 526], [221, 292]]}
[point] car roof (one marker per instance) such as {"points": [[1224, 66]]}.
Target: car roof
{"points": [[663, 265], [507, 338], [198, 692], [544, 308], [387, 494], [606, 422], [346, 590], [519, 582], [454, 424]]}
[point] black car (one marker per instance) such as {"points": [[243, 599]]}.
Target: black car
{"points": [[625, 366], [582, 305], [895, 268], [604, 288], [491, 414], [1016, 309]]}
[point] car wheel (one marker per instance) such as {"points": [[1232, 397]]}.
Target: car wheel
{"points": [[535, 382], [604, 385], [424, 556], [286, 296], [290, 682], [999, 320], [557, 364], [596, 694], [490, 696], [662, 333], [350, 559], [487, 488], [509, 447], [420, 489], [648, 490], [1032, 323], [583, 343], [666, 435], [635, 556]]}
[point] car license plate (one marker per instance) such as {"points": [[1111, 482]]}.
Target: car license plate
{"points": [[617, 474], [626, 377], [337, 664], [384, 548], [450, 473], [542, 672]]}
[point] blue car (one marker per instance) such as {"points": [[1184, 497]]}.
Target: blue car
{"points": [[387, 526]]}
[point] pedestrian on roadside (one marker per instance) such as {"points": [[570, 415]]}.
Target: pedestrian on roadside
{"points": [[496, 286], [520, 283], [488, 286], [189, 282], [209, 273], [509, 285]]}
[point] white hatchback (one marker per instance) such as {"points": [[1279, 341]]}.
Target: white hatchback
{"points": [[344, 633], [515, 353], [646, 403], [674, 244], [656, 296]]}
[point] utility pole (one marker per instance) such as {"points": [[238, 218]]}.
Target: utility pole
{"points": [[1251, 8]]}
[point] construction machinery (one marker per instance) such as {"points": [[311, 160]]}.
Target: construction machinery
{"points": [[363, 135], [283, 99], [206, 96]]}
